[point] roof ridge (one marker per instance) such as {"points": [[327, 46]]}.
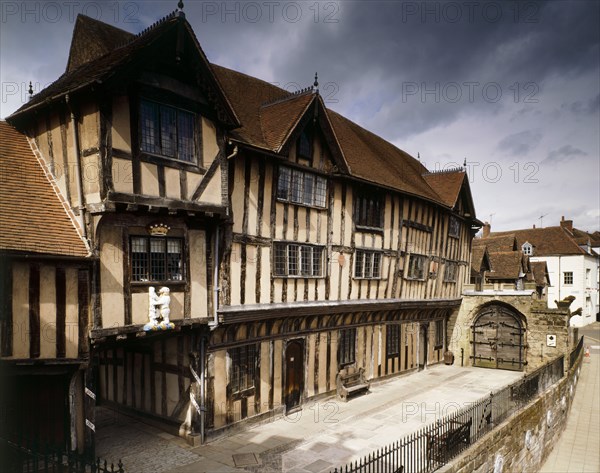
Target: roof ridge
{"points": [[445, 171], [173, 14], [298, 93]]}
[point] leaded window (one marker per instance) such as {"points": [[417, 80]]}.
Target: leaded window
{"points": [[367, 264], [243, 368], [167, 131], [156, 259], [392, 340], [454, 227], [368, 210], [347, 346], [450, 271], [301, 187], [416, 267], [291, 259]]}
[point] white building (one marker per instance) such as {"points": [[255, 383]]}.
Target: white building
{"points": [[573, 265]]}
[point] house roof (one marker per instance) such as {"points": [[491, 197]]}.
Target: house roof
{"points": [[497, 243], [34, 219], [549, 241], [506, 265], [97, 56], [582, 237], [480, 259], [540, 273]]}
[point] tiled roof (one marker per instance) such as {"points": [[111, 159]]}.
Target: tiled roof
{"points": [[582, 237], [447, 185], [506, 265], [498, 242], [540, 273], [34, 219], [549, 241], [480, 258]]}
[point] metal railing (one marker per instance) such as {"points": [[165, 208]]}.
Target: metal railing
{"points": [[16, 458], [436, 444]]}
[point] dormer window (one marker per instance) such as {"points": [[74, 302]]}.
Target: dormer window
{"points": [[527, 249], [167, 131], [304, 145]]}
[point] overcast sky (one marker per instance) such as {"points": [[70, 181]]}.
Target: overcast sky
{"points": [[513, 87]]}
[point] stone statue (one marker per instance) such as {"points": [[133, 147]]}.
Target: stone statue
{"points": [[161, 302]]}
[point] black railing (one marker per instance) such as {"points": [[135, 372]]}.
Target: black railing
{"points": [[436, 444], [16, 458], [575, 353]]}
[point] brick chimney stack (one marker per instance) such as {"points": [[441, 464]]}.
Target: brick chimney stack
{"points": [[486, 230], [566, 224]]}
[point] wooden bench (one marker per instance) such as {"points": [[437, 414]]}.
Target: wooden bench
{"points": [[350, 381], [442, 446]]}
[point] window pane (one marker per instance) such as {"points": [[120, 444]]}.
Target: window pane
{"points": [[320, 191], [360, 264], [369, 265], [168, 131], [280, 260], [185, 130], [149, 127], [306, 257], [317, 259], [283, 184], [309, 183], [157, 259], [376, 265], [296, 186], [174, 260], [139, 259], [293, 260], [304, 146]]}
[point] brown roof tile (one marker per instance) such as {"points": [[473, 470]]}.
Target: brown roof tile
{"points": [[447, 185], [278, 120], [506, 265], [540, 273], [547, 241], [34, 219], [498, 242]]}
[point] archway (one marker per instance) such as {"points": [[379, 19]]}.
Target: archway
{"points": [[498, 339]]}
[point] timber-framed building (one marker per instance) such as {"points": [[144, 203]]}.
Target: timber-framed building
{"points": [[293, 241]]}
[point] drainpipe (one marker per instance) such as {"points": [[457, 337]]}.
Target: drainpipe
{"points": [[202, 391], [78, 180]]}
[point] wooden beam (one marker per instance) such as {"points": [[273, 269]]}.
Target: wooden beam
{"points": [[34, 311]]}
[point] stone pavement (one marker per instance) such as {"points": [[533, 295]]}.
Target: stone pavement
{"points": [[321, 436], [578, 449]]}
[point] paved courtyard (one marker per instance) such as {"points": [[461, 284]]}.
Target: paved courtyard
{"points": [[323, 435]]}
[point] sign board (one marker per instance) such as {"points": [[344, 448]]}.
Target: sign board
{"points": [[551, 340]]}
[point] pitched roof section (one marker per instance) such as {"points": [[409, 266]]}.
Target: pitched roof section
{"points": [[93, 39], [447, 185], [506, 265], [34, 219], [480, 259], [99, 70], [498, 242], [540, 273], [279, 119], [549, 241]]}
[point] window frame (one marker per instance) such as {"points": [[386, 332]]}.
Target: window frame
{"points": [[363, 199], [148, 263], [196, 158], [299, 250], [453, 227], [409, 268], [447, 273], [309, 136], [373, 255], [346, 346], [243, 379], [392, 340], [294, 190], [568, 275], [527, 249]]}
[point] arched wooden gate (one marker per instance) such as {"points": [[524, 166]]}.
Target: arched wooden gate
{"points": [[498, 339]]}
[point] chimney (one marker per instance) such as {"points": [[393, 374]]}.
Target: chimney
{"points": [[566, 224], [534, 226], [486, 230]]}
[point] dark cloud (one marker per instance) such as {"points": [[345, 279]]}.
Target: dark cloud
{"points": [[520, 144], [564, 153]]}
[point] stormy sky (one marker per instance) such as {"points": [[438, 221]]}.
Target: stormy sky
{"points": [[513, 87]]}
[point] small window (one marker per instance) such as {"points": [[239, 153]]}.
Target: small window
{"points": [[243, 368], [368, 210], [392, 340], [291, 259], [439, 333], [588, 277], [454, 227], [367, 264], [156, 259], [304, 145], [416, 267], [347, 346], [301, 187], [167, 131], [450, 271], [568, 277], [527, 249]]}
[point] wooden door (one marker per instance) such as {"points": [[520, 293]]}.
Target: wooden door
{"points": [[294, 373], [498, 339]]}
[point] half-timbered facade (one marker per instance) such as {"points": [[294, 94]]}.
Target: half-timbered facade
{"points": [[45, 295], [292, 241]]}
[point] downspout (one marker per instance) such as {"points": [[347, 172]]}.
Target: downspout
{"points": [[78, 180], [202, 391]]}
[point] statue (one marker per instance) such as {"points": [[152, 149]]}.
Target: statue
{"points": [[161, 302]]}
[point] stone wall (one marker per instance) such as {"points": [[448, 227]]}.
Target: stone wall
{"points": [[522, 442], [540, 322]]}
